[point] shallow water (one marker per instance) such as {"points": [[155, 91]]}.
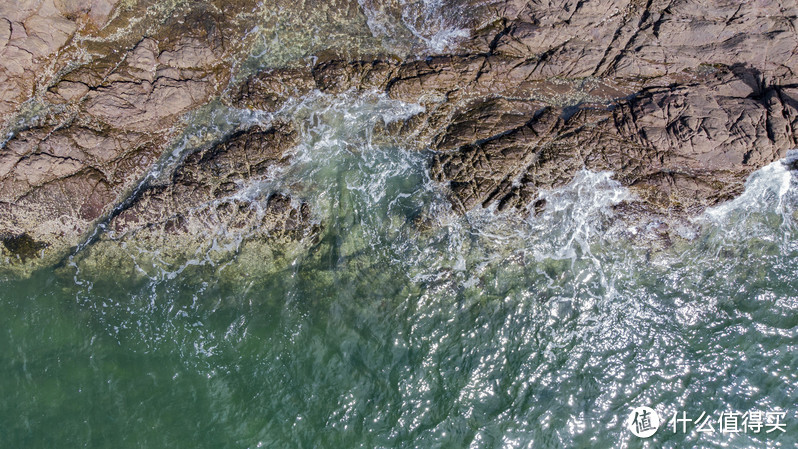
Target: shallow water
{"points": [[410, 326]]}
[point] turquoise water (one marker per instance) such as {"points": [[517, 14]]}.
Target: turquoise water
{"points": [[407, 325]]}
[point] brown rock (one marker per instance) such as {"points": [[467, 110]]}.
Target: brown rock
{"points": [[680, 149], [678, 98], [681, 99], [31, 32], [104, 109]]}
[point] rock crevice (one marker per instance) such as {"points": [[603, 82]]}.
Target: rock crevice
{"points": [[680, 99]]}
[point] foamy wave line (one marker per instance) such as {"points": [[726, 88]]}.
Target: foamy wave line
{"points": [[769, 189]]}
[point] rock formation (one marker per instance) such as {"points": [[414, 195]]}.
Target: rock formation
{"points": [[681, 99]]}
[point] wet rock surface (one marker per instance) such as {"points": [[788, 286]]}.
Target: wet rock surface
{"points": [[203, 195], [681, 99], [101, 103]]}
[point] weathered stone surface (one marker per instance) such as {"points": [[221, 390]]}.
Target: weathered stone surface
{"points": [[681, 99], [54, 183], [30, 32], [270, 89], [206, 211], [680, 149], [103, 101], [93, 93]]}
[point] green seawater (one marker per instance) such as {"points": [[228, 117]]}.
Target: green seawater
{"points": [[409, 326]]}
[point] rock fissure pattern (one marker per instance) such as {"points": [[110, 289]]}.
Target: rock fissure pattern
{"points": [[681, 99]]}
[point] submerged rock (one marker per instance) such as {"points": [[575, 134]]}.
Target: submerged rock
{"points": [[22, 246]]}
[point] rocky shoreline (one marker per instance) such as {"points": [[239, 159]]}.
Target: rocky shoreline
{"points": [[682, 100]]}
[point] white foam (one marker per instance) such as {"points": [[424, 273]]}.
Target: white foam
{"points": [[766, 189], [436, 25], [576, 214]]}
